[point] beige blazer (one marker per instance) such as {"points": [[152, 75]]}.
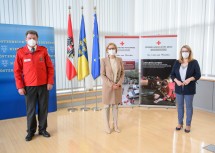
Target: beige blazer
{"points": [[110, 95]]}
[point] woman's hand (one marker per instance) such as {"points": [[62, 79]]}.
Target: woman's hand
{"points": [[179, 83], [119, 85], [187, 81], [115, 86]]}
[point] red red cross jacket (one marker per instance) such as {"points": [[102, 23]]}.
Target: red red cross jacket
{"points": [[33, 69]]}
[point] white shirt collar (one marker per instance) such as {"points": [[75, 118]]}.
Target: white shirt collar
{"points": [[29, 48]]}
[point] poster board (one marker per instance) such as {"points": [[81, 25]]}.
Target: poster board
{"points": [[12, 37], [157, 57], [128, 50]]}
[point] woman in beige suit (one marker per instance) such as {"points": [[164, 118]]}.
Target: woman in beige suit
{"points": [[112, 73]]}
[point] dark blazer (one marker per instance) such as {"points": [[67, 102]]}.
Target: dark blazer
{"points": [[193, 70]]}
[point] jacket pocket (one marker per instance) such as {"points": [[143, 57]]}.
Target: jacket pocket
{"points": [[27, 66]]}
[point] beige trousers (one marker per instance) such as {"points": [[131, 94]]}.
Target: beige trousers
{"points": [[107, 115]]}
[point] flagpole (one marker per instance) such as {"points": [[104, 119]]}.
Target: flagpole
{"points": [[85, 108], [72, 109], [96, 108], [93, 60], [81, 39]]}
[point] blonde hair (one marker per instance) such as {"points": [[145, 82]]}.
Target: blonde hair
{"points": [[110, 45], [190, 58]]}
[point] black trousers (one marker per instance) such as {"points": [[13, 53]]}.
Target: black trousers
{"points": [[36, 95]]}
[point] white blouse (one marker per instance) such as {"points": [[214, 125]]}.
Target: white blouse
{"points": [[183, 71], [113, 64]]}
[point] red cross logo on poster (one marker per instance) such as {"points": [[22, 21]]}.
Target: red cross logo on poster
{"points": [[158, 42], [122, 43]]}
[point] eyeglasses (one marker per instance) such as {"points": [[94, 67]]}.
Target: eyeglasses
{"points": [[184, 51], [111, 48]]}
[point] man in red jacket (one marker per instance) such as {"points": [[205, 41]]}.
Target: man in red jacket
{"points": [[34, 76]]}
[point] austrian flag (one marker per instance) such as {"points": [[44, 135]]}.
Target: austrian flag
{"points": [[70, 68]]}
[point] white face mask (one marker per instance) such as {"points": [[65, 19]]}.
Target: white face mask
{"points": [[31, 42], [185, 54], [112, 52]]}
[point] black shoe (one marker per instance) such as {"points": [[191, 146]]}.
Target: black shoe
{"points": [[179, 128], [44, 133], [187, 131], [29, 137]]}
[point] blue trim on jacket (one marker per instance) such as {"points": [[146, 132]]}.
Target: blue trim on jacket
{"points": [[193, 70]]}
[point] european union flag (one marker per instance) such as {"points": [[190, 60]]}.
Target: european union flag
{"points": [[95, 52], [83, 65]]}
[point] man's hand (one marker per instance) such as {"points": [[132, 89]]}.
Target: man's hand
{"points": [[49, 86], [21, 91]]}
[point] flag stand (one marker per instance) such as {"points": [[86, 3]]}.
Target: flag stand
{"points": [[70, 53], [85, 108], [96, 108], [72, 109]]}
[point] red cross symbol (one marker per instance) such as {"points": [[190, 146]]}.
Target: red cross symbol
{"points": [[158, 42], [122, 43]]}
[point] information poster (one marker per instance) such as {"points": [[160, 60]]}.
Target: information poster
{"points": [[158, 54]]}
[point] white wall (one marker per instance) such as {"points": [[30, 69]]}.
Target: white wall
{"points": [[192, 20]]}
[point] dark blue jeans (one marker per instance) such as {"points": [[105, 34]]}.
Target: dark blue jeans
{"points": [[188, 99]]}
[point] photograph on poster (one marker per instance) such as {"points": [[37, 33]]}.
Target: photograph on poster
{"points": [[130, 89], [155, 84]]}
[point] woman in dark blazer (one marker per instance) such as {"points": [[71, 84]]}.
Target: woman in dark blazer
{"points": [[185, 73]]}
